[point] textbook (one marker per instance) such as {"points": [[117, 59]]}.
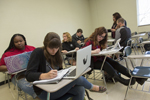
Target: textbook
{"points": [[60, 75]]}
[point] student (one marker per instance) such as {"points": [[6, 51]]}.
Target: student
{"points": [[68, 45], [123, 32], [78, 37], [98, 40], [16, 46], [114, 27], [38, 69]]}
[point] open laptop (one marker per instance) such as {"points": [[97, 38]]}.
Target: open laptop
{"points": [[82, 63], [17, 62], [116, 46]]}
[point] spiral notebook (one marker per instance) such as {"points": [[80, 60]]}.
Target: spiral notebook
{"points": [[60, 75]]}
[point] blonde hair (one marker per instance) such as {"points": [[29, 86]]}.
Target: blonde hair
{"points": [[69, 38]]}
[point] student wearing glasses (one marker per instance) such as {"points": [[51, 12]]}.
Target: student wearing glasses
{"points": [[69, 44], [98, 40], [50, 54]]}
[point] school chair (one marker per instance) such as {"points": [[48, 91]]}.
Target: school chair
{"points": [[136, 45], [148, 33], [136, 71]]}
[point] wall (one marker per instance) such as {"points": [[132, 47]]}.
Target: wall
{"points": [[35, 18], [102, 10]]}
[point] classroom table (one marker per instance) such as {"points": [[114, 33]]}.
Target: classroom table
{"points": [[111, 41], [106, 53], [50, 88], [136, 39]]}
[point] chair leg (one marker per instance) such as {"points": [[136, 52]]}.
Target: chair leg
{"points": [[127, 89], [5, 77], [8, 81], [94, 74], [25, 96], [18, 95], [104, 81]]}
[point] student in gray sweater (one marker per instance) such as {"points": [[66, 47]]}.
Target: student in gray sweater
{"points": [[123, 32]]}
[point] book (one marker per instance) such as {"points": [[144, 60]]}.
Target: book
{"points": [[60, 75]]}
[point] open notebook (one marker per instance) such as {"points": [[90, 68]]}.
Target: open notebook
{"points": [[60, 75]]}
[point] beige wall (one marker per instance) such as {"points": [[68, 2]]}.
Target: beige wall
{"points": [[102, 10], [35, 18]]}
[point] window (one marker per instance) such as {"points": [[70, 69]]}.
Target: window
{"points": [[143, 12]]}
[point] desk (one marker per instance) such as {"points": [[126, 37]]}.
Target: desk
{"points": [[105, 53], [142, 46], [136, 39], [50, 88], [69, 52], [111, 41]]}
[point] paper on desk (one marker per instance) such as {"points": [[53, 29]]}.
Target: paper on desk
{"points": [[60, 75]]}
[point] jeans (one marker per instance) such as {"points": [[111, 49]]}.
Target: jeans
{"points": [[25, 86], [74, 89]]}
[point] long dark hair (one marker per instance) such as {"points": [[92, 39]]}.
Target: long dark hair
{"points": [[116, 16], [93, 37], [12, 45], [52, 40]]}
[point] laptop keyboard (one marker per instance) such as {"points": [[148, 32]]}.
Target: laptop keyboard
{"points": [[73, 73]]}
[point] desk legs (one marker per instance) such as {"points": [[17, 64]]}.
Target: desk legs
{"points": [[48, 95], [103, 72], [8, 80]]}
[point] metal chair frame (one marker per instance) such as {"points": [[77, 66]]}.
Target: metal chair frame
{"points": [[134, 66]]}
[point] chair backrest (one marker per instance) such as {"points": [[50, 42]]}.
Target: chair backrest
{"points": [[148, 33], [134, 33], [127, 51], [147, 47], [129, 42], [147, 52], [140, 39]]}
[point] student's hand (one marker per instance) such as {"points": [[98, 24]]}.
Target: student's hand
{"points": [[97, 50], [51, 74], [113, 30], [64, 51], [76, 48], [109, 56], [78, 41]]}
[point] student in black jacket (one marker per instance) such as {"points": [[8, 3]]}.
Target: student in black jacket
{"points": [[68, 45], [44, 63], [78, 37]]}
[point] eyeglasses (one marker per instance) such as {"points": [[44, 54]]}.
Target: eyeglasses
{"points": [[102, 36]]}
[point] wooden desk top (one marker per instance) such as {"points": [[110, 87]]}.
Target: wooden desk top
{"points": [[145, 42], [111, 40], [138, 35], [139, 56], [102, 53], [55, 87]]}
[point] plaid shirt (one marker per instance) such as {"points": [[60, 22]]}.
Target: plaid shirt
{"points": [[94, 58]]}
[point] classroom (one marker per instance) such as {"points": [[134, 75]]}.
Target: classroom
{"points": [[34, 19]]}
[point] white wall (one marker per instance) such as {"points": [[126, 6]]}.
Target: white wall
{"points": [[102, 10], [35, 18]]}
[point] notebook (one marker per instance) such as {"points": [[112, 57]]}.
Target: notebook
{"points": [[116, 46], [17, 62], [60, 75], [83, 62]]}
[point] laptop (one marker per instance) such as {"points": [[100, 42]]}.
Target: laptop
{"points": [[116, 46], [17, 62], [82, 63]]}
